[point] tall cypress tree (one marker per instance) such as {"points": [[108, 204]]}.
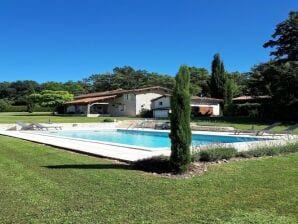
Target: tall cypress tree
{"points": [[180, 122], [218, 77]]}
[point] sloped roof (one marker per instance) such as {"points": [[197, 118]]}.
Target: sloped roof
{"points": [[251, 97], [210, 99], [91, 99], [122, 91], [195, 98]]}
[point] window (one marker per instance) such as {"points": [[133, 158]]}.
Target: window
{"points": [[160, 103]]}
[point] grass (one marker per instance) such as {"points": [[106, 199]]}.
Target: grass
{"points": [[41, 184], [44, 117], [242, 123]]}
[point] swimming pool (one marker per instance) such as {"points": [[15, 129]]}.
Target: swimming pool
{"points": [[147, 139]]}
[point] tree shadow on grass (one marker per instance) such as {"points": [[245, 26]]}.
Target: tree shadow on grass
{"points": [[31, 115], [91, 166], [158, 164]]}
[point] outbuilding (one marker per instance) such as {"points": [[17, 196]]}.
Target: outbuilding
{"points": [[200, 106]]}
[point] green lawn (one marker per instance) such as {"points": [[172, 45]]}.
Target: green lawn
{"points": [[41, 184], [242, 123], [42, 117]]}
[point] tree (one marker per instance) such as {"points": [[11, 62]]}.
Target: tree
{"points": [[75, 88], [180, 122], [128, 78], [199, 78], [285, 39], [278, 78], [218, 77], [3, 105], [32, 100], [241, 81], [230, 89], [52, 99], [280, 81]]}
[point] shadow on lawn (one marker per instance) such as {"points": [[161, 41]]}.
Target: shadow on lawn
{"points": [[159, 164], [90, 166], [32, 115]]}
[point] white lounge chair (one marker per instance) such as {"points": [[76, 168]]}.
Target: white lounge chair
{"points": [[26, 126], [46, 127]]}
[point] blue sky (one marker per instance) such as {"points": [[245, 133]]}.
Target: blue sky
{"points": [[64, 40]]}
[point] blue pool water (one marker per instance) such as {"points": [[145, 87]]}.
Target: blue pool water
{"points": [[148, 139]]}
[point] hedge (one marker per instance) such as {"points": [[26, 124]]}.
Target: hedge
{"points": [[23, 108], [269, 150], [219, 153], [215, 154]]}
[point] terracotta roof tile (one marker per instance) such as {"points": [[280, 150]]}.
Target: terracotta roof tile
{"points": [[91, 99], [122, 91]]}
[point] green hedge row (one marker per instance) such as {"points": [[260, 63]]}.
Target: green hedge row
{"points": [[219, 153], [23, 108], [215, 154], [270, 150]]}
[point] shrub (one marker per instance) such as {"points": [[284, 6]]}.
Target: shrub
{"points": [[108, 120], [3, 105], [269, 150], [146, 113], [158, 164], [214, 154], [24, 108], [18, 108]]}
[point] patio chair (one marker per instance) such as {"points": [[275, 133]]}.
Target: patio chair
{"points": [[239, 131], [257, 132], [46, 127], [290, 129], [268, 129], [26, 126], [164, 125]]}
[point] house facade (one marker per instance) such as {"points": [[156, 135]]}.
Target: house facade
{"points": [[115, 103], [200, 106]]}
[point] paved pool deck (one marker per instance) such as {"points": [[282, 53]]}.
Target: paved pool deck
{"points": [[130, 154], [93, 148]]}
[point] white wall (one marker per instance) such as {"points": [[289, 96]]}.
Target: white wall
{"points": [[163, 102], [160, 113], [123, 106], [143, 101]]}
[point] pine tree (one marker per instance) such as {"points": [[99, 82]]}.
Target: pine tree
{"points": [[180, 122], [218, 78]]}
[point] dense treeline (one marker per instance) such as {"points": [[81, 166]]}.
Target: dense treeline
{"points": [[16, 93]]}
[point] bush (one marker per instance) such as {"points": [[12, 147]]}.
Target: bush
{"points": [[19, 108], [24, 108], [248, 109], [229, 109], [108, 120], [158, 164], [146, 113], [3, 105], [215, 154], [269, 150]]}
